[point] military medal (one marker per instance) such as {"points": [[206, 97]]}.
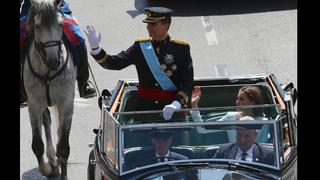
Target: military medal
{"points": [[168, 59], [168, 73], [163, 67], [174, 67]]}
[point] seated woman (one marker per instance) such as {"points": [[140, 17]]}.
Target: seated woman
{"points": [[247, 95]]}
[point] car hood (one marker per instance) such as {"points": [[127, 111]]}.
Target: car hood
{"points": [[201, 171], [221, 174]]}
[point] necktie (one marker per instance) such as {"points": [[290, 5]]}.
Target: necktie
{"points": [[243, 156], [161, 159]]}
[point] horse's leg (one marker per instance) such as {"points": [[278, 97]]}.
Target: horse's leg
{"points": [[51, 154], [37, 143], [63, 148]]}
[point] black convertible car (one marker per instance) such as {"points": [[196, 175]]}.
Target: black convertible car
{"points": [[124, 141]]}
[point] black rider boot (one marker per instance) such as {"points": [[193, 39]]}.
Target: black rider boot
{"points": [[85, 87]]}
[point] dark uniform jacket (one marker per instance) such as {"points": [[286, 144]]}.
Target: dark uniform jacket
{"points": [[150, 157], [174, 59], [260, 154]]}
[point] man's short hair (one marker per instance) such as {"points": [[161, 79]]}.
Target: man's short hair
{"points": [[246, 118]]}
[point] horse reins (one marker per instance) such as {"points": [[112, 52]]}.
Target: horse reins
{"points": [[46, 79], [41, 47]]}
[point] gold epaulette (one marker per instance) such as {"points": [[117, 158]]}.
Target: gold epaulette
{"points": [[184, 98], [178, 41], [143, 39]]}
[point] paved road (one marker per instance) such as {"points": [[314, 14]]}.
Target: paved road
{"points": [[226, 38]]}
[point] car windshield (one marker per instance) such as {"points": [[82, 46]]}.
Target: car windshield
{"points": [[241, 134], [211, 114]]}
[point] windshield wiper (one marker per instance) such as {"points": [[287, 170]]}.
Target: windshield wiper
{"points": [[172, 167], [187, 165]]}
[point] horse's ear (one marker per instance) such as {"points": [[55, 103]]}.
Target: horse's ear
{"points": [[58, 2], [35, 3]]}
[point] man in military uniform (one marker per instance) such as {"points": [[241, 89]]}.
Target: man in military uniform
{"points": [[164, 64]]}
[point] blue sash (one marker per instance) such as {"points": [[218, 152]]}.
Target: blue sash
{"points": [[153, 63]]}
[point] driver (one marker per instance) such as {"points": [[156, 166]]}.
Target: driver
{"points": [[161, 141]]}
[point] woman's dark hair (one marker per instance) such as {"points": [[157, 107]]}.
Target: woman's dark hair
{"points": [[254, 94]]}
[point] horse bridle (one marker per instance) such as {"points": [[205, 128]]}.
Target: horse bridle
{"points": [[41, 47]]}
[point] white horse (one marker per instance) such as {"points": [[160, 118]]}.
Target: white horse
{"points": [[49, 77]]}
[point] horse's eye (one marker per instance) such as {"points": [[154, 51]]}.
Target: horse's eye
{"points": [[37, 27]]}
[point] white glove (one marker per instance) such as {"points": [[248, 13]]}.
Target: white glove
{"points": [[94, 37], [169, 109]]}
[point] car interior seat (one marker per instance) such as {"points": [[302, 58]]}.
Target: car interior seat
{"points": [[128, 103], [128, 100], [271, 112], [188, 151], [209, 152]]}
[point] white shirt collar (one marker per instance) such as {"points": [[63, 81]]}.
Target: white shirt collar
{"points": [[249, 157], [165, 159]]}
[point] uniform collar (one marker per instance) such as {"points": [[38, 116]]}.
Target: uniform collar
{"points": [[157, 155], [164, 157], [162, 42]]}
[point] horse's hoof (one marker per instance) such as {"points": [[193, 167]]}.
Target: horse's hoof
{"points": [[54, 162], [45, 169], [55, 172], [64, 177]]}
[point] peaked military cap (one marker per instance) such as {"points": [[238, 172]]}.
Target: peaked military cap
{"points": [[163, 134], [155, 14]]}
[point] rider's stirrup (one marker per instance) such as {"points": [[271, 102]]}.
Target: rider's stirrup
{"points": [[87, 91]]}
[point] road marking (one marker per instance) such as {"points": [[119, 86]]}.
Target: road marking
{"points": [[221, 70], [80, 102], [207, 23]]}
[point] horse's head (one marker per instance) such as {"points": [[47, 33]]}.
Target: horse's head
{"points": [[45, 22]]}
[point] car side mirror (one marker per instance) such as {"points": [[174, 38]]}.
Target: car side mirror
{"points": [[294, 93], [288, 86], [104, 98]]}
